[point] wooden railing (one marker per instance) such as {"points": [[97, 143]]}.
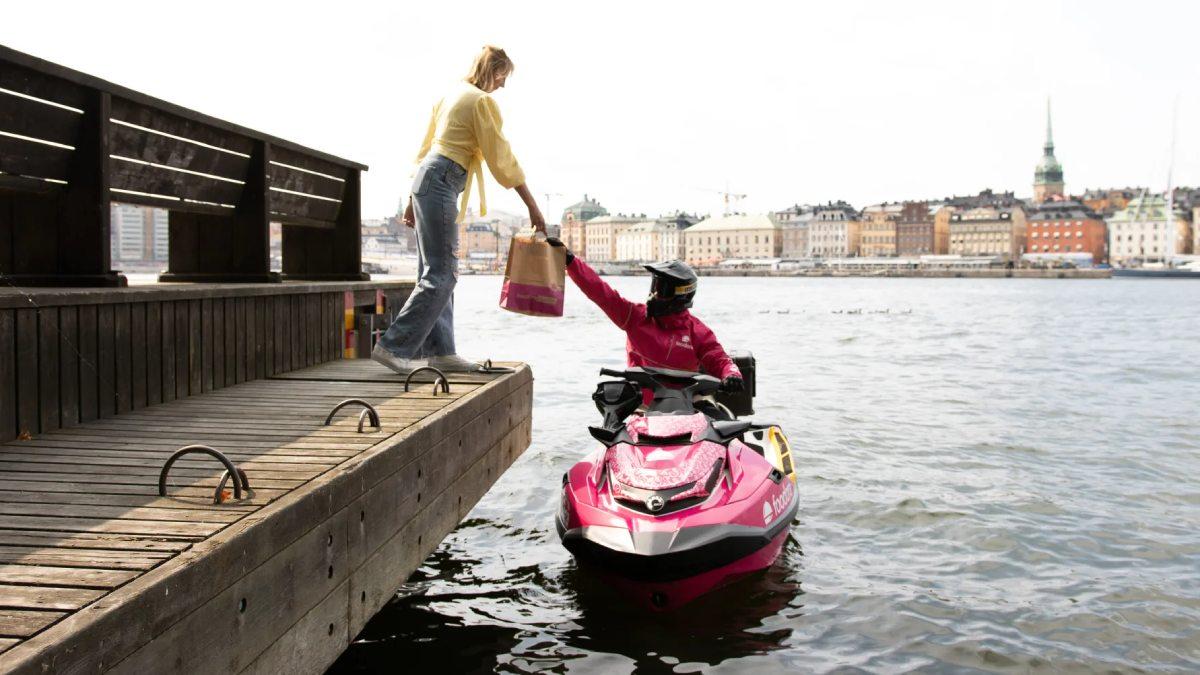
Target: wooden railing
{"points": [[71, 144]]}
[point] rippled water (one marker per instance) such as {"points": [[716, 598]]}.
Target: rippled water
{"points": [[995, 474]]}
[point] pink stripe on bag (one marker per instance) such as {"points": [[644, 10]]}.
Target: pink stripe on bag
{"points": [[530, 299]]}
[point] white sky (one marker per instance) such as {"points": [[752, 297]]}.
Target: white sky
{"points": [[644, 105]]}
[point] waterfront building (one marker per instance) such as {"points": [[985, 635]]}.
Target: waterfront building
{"points": [[671, 229], [1048, 176], [833, 231], [481, 240], [734, 236], [139, 234], [640, 242], [984, 198], [1196, 229], [600, 236], [1142, 232], [572, 223], [793, 224], [877, 235], [988, 231], [920, 232], [1064, 229], [1106, 202]]}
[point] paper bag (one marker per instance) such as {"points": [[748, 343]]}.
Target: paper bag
{"points": [[534, 277]]}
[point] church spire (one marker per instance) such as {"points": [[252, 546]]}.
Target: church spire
{"points": [[1049, 147]]}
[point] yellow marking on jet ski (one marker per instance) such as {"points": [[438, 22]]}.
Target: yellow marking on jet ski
{"points": [[779, 452]]}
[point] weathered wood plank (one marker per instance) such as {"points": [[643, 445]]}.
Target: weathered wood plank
{"points": [[92, 540], [138, 342], [48, 342], [28, 399], [265, 465], [8, 375], [67, 577], [262, 339], [110, 482], [182, 348], [168, 352], [110, 560], [195, 349], [152, 527], [35, 497], [243, 332], [44, 597], [23, 623], [159, 149], [106, 359], [123, 347], [206, 354], [218, 340], [35, 119], [161, 181], [117, 512], [89, 372], [154, 353], [231, 330], [68, 365]]}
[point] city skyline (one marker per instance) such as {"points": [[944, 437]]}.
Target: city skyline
{"points": [[861, 102]]}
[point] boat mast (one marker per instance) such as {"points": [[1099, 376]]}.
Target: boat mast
{"points": [[1169, 248]]}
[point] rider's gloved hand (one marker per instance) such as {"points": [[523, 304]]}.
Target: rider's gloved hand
{"points": [[733, 384], [556, 242]]}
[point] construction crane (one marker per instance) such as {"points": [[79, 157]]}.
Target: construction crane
{"points": [[727, 196]]}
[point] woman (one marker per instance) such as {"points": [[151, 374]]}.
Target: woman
{"points": [[464, 131]]}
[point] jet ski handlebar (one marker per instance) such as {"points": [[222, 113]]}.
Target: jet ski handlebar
{"points": [[659, 379]]}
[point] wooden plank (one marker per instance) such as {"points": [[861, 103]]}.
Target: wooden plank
{"points": [[113, 481], [158, 180], [182, 348], [138, 347], [308, 183], [35, 119], [154, 353], [287, 342], [206, 341], [28, 398], [150, 527], [117, 512], [123, 355], [106, 360], [91, 540], [168, 352], [111, 560], [89, 373], [68, 365], [218, 343], [8, 643], [314, 328], [302, 206], [251, 327], [158, 119], [48, 339], [33, 496], [261, 337], [8, 375], [195, 349], [277, 333], [28, 158], [67, 577], [231, 331], [198, 494], [159, 149], [44, 597], [23, 623], [243, 332], [288, 156]]}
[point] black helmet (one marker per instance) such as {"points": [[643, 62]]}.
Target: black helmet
{"points": [[672, 287]]}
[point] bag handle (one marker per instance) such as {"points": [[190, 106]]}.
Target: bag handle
{"points": [[533, 233]]}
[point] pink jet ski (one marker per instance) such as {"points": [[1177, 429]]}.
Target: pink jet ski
{"points": [[677, 502]]}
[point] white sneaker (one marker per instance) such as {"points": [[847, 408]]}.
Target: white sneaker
{"points": [[453, 363], [401, 366]]}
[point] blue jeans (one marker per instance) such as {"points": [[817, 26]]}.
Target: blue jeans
{"points": [[425, 326]]}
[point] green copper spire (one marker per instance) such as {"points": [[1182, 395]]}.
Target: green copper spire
{"points": [[1049, 171]]}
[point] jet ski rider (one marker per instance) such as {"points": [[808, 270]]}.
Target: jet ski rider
{"points": [[661, 333]]}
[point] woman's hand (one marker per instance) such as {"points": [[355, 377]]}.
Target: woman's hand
{"points": [[409, 220], [536, 219]]}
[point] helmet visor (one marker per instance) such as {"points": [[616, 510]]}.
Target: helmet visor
{"points": [[665, 288]]}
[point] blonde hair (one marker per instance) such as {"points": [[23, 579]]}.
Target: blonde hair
{"points": [[491, 63]]}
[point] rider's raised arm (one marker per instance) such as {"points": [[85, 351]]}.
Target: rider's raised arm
{"points": [[710, 352], [621, 311]]}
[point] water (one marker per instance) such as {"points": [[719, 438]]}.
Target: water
{"points": [[995, 474]]}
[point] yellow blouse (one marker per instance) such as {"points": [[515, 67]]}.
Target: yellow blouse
{"points": [[465, 127]]}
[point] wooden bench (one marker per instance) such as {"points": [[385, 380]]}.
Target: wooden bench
{"points": [[72, 144]]}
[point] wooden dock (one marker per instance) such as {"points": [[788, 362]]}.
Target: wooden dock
{"points": [[98, 572]]}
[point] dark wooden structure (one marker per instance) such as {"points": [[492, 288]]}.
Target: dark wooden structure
{"points": [[71, 144]]}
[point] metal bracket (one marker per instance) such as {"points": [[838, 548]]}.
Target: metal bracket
{"points": [[441, 379], [368, 412], [241, 483]]}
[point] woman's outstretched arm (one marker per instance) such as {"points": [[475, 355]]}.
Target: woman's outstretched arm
{"points": [[535, 214]]}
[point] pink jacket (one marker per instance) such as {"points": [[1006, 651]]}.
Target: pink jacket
{"points": [[677, 341]]}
